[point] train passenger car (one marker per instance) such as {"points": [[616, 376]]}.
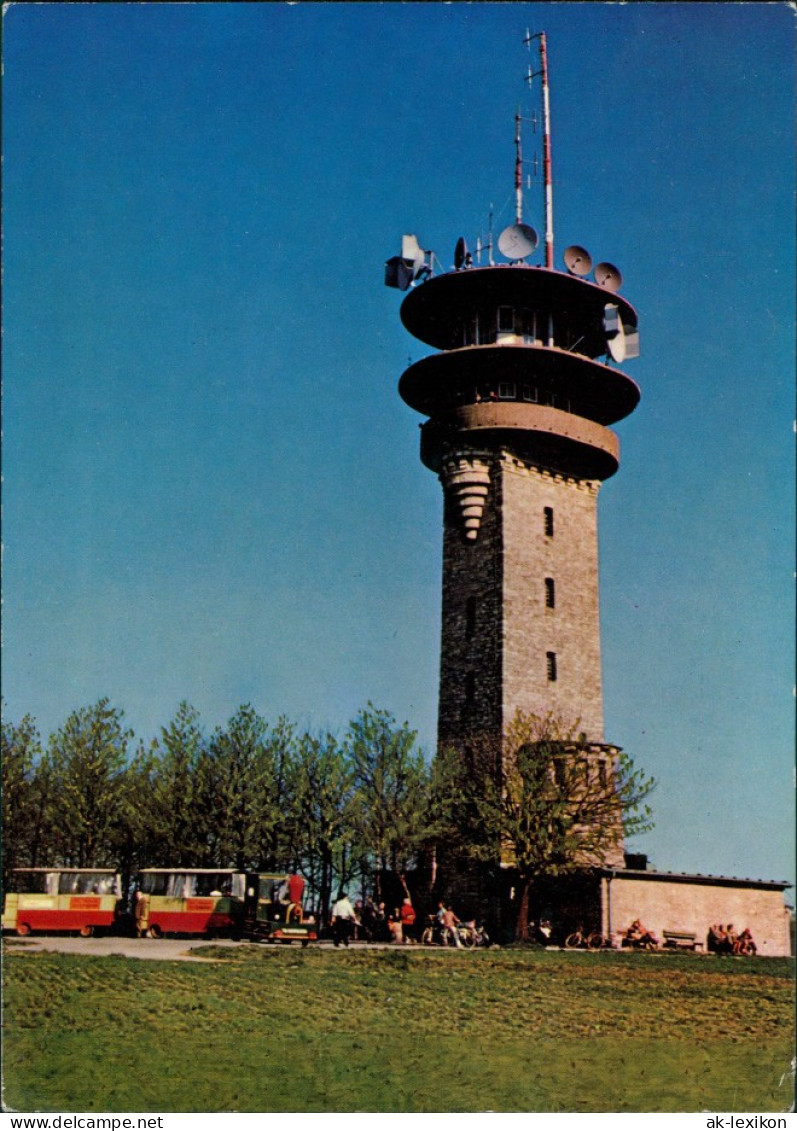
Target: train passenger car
{"points": [[62, 899], [273, 910], [188, 901]]}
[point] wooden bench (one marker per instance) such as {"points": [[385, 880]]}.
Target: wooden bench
{"points": [[682, 940]]}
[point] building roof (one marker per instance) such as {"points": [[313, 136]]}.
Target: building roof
{"points": [[692, 878]]}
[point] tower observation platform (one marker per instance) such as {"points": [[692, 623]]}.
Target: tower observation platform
{"points": [[518, 368]]}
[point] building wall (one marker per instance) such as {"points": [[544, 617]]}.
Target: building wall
{"points": [[570, 630], [673, 905], [471, 645], [497, 628]]}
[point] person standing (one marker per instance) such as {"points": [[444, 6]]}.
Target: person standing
{"points": [[343, 919], [450, 923]]}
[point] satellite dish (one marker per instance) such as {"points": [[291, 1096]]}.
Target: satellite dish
{"points": [[410, 248], [578, 260], [617, 345], [608, 276], [460, 253], [517, 241]]}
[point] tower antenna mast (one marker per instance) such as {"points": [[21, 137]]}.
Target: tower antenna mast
{"points": [[546, 143], [518, 173]]}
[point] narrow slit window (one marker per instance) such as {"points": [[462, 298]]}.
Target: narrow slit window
{"points": [[550, 660], [470, 689], [550, 593], [548, 521]]}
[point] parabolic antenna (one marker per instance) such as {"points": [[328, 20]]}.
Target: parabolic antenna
{"points": [[413, 253], [460, 251], [517, 241], [617, 345], [578, 260], [608, 276]]}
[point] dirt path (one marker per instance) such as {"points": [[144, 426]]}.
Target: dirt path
{"points": [[178, 950]]}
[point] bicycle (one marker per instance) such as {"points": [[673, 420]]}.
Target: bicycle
{"points": [[582, 940]]}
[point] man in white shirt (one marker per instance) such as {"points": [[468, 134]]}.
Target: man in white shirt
{"points": [[343, 919]]}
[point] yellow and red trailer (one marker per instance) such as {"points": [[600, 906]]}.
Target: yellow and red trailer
{"points": [[188, 901], [62, 899]]}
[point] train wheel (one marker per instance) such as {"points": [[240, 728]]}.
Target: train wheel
{"points": [[155, 933], [23, 929], [86, 931]]}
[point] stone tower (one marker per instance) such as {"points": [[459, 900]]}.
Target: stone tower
{"points": [[519, 399]]}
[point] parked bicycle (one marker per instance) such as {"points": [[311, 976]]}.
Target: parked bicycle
{"points": [[585, 940]]}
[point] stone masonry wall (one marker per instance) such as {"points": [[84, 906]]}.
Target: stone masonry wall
{"points": [[498, 625], [570, 630], [672, 905]]}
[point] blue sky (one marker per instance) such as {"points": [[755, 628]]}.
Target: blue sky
{"points": [[212, 489]]}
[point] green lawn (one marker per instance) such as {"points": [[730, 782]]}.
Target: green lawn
{"points": [[265, 1029]]}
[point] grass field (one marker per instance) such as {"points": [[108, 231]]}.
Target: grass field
{"points": [[263, 1029]]}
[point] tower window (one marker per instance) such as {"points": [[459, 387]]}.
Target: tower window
{"points": [[470, 617], [507, 390], [550, 593], [529, 393], [548, 521], [506, 319], [602, 775], [550, 659], [470, 689]]}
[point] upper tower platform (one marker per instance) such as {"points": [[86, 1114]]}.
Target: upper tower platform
{"points": [[523, 366]]}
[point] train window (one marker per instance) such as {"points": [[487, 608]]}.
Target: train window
{"points": [[86, 883], [212, 883], [35, 883]]}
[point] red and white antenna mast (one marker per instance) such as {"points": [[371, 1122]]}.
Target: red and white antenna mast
{"points": [[546, 134]]}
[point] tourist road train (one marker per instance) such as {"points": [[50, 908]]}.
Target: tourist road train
{"points": [[263, 906]]}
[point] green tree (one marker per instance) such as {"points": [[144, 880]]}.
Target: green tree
{"points": [[391, 783], [21, 751], [176, 817], [247, 775], [553, 807], [320, 828], [85, 769]]}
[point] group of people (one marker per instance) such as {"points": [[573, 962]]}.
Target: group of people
{"points": [[371, 921], [725, 940]]}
